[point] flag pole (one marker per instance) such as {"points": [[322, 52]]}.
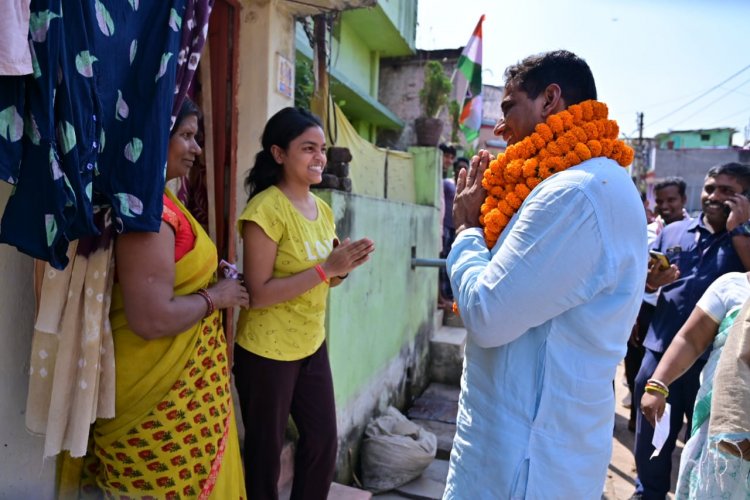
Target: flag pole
{"points": [[471, 53]]}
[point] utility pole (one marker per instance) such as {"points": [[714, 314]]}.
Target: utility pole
{"points": [[319, 101], [641, 170]]}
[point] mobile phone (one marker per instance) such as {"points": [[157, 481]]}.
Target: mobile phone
{"points": [[662, 259], [728, 208], [229, 270]]}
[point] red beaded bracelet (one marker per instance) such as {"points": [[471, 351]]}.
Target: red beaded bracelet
{"points": [[209, 302], [321, 272]]}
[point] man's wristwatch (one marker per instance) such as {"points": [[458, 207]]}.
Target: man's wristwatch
{"points": [[741, 230]]}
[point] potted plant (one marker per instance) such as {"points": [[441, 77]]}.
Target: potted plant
{"points": [[432, 97]]}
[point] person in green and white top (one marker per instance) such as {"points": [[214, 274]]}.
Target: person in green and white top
{"points": [[704, 472]]}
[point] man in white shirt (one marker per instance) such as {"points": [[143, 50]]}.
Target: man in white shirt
{"points": [[548, 308], [670, 198]]}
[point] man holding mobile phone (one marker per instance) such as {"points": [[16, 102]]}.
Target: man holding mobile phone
{"points": [[670, 197], [700, 250]]}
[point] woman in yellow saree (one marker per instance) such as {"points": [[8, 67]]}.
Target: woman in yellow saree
{"points": [[174, 433]]}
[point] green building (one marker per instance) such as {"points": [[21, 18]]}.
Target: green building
{"points": [[714, 138], [360, 38]]}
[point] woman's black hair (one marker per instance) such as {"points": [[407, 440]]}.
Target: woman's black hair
{"points": [[281, 129], [187, 108]]}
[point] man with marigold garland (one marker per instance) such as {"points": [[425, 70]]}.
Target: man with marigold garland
{"points": [[548, 269]]}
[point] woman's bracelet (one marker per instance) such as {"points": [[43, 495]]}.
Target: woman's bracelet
{"points": [[659, 390], [321, 272], [657, 382], [654, 385], [209, 302], [343, 277]]}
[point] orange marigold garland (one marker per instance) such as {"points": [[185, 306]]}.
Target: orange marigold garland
{"points": [[567, 138]]}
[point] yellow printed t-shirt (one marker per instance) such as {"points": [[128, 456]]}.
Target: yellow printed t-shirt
{"points": [[293, 329]]}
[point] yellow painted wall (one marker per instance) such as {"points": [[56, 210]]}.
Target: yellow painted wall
{"points": [[266, 30], [376, 171]]}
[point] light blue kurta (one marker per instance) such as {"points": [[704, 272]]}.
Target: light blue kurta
{"points": [[548, 312]]}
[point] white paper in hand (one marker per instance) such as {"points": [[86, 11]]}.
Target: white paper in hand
{"points": [[661, 432]]}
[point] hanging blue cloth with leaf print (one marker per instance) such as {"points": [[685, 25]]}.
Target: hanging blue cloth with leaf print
{"points": [[96, 116]]}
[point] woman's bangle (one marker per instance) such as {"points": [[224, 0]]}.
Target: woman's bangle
{"points": [[209, 302], [343, 277], [321, 272], [655, 388], [658, 383]]}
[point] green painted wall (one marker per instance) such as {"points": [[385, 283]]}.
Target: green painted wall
{"points": [[427, 174], [380, 319], [403, 15], [388, 27], [352, 56], [384, 304], [718, 138], [361, 37]]}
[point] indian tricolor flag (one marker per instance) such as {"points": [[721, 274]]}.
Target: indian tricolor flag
{"points": [[470, 66]]}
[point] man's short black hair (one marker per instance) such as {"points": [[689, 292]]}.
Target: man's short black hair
{"points": [[447, 149], [678, 182], [461, 159], [739, 171], [535, 73]]}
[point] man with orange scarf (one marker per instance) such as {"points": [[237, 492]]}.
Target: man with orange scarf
{"points": [[548, 271]]}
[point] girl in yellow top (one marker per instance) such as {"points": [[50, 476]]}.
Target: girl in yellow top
{"points": [[291, 257]]}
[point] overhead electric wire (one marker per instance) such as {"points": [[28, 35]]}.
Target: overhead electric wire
{"points": [[699, 97], [733, 115], [728, 92]]}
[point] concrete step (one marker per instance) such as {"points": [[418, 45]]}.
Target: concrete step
{"points": [[448, 392], [444, 432], [337, 492], [447, 346], [342, 492], [437, 318], [430, 485], [435, 410], [286, 477], [451, 319], [437, 403]]}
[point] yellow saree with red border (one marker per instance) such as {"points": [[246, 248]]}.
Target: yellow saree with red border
{"points": [[174, 433]]}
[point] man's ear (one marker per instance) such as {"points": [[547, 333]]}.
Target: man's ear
{"points": [[553, 100]]}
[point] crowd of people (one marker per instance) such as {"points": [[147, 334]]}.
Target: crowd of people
{"points": [[694, 301], [546, 252]]}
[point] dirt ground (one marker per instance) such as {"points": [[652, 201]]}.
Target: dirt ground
{"points": [[621, 476]]}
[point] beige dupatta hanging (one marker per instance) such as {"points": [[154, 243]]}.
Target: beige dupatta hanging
{"points": [[729, 423], [72, 373]]}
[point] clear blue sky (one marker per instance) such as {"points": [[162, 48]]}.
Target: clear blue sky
{"points": [[652, 56]]}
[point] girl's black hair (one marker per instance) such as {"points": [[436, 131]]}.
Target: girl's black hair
{"points": [[281, 129], [187, 108]]}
